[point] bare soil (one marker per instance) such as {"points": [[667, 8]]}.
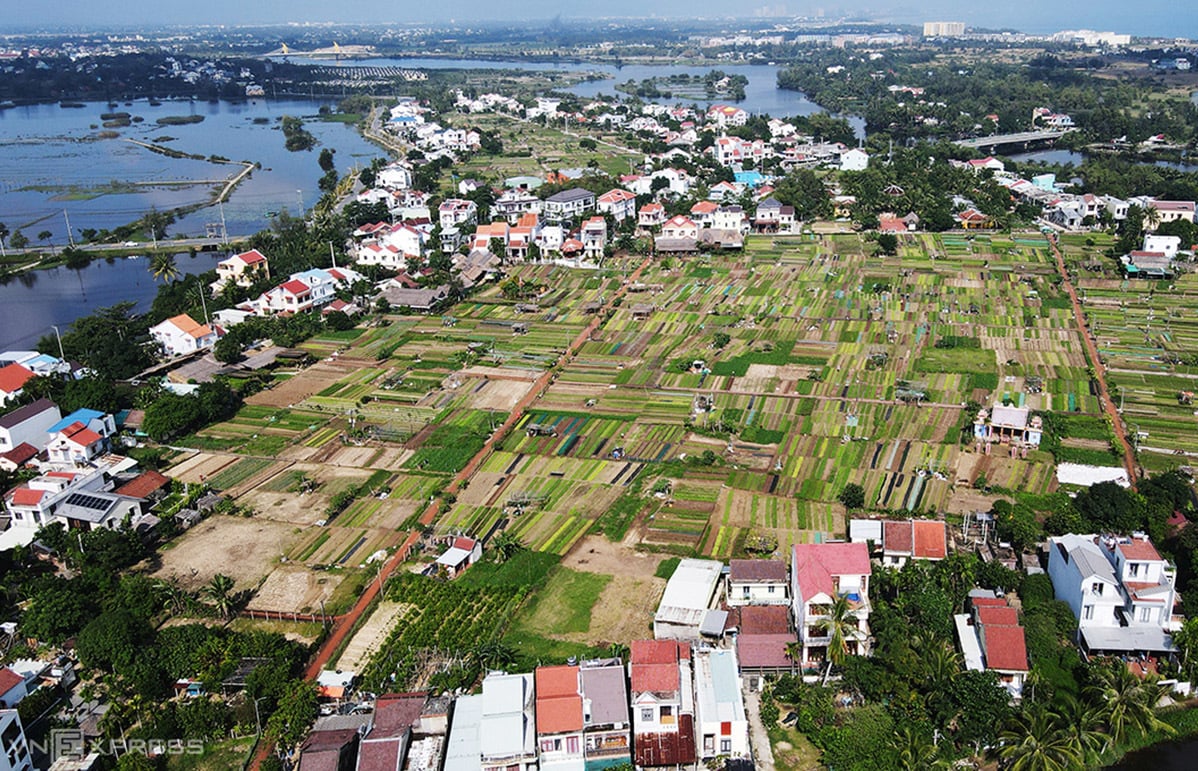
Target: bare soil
{"points": [[295, 588], [243, 549]]}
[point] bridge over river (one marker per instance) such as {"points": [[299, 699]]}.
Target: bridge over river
{"points": [[1023, 138]]}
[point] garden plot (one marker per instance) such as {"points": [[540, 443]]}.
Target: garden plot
{"points": [[295, 588], [245, 549], [308, 382], [284, 501], [347, 547], [197, 467]]}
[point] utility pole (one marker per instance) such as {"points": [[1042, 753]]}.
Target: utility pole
{"points": [[332, 254], [62, 356], [224, 231], [203, 303]]}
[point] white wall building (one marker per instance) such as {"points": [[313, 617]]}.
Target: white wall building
{"points": [[820, 573], [721, 726], [687, 600], [182, 335]]}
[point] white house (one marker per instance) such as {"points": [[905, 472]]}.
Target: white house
{"points": [[75, 444], [730, 217], [687, 600], [28, 425], [394, 176], [461, 554], [651, 215], [14, 749], [35, 503], [854, 160], [1120, 590], [757, 582], [620, 204], [727, 115], [821, 573], [679, 227], [457, 213], [593, 235], [721, 726], [568, 204], [1166, 245], [508, 730], [13, 378], [305, 291], [182, 335]]}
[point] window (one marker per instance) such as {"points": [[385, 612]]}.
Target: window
{"points": [[647, 715], [1087, 612], [572, 744], [772, 588], [1145, 615], [547, 745], [667, 715], [1096, 588], [746, 590], [725, 746], [1133, 569]]}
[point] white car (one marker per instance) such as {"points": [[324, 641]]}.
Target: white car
{"points": [[130, 243]]}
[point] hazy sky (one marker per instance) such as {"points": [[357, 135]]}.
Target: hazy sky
{"points": [[1147, 17]]}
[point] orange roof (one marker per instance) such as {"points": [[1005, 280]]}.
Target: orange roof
{"points": [[295, 286], [1139, 550], [930, 539], [527, 220], [252, 257], [704, 207], [24, 496], [559, 703], [652, 208], [81, 434], [1005, 616], [143, 485], [13, 378], [1006, 648]]}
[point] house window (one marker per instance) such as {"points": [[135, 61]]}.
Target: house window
{"points": [[667, 715], [547, 745], [647, 715], [725, 746], [572, 744], [746, 591], [1145, 615], [771, 589], [1087, 612], [1096, 588], [1133, 569]]}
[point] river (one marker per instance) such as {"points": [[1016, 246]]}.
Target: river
{"points": [[1167, 756], [32, 302], [51, 161]]}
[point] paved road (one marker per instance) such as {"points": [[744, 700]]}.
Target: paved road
{"points": [[135, 247], [1104, 395]]}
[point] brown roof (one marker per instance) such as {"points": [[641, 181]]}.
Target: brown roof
{"points": [[757, 570], [21, 414], [764, 651], [1139, 550], [897, 536], [667, 749], [765, 619], [21, 454], [1006, 648], [930, 539], [322, 750], [395, 713], [1005, 616], [143, 485]]}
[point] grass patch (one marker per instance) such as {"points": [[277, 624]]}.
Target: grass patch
{"points": [[217, 756], [564, 604], [666, 567]]}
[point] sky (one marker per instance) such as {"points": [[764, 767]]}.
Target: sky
{"points": [[1145, 17]]}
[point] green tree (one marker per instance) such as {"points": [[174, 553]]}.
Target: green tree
{"points": [[1127, 702], [839, 625], [163, 267], [326, 161], [296, 711], [112, 641], [18, 240], [1036, 742], [887, 243], [219, 594], [852, 496], [1083, 724]]}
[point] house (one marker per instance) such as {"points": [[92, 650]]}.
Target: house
{"points": [[28, 425], [96, 510], [651, 215], [607, 734], [507, 729], [854, 160], [731, 217], [241, 270], [992, 639], [560, 718], [772, 216], [821, 573], [568, 204], [394, 176], [334, 750], [620, 204], [757, 582], [13, 378], [149, 487], [763, 636], [100, 422], [384, 745], [725, 191], [1120, 590], [686, 603], [304, 291], [679, 227], [421, 300], [703, 212], [36, 502], [1149, 265], [989, 163], [18, 457], [721, 725], [1166, 245], [972, 219], [724, 115], [182, 335], [908, 539], [12, 688], [457, 213], [335, 684], [663, 703], [461, 554], [14, 748], [1014, 426], [1171, 211], [514, 203], [76, 444], [1117, 207], [593, 235]]}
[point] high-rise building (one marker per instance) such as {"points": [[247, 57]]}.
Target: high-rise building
{"points": [[943, 28]]}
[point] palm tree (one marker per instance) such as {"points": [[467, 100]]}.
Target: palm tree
{"points": [[174, 597], [506, 546], [219, 593], [943, 664], [794, 652], [163, 266], [840, 624], [1082, 722], [493, 654], [1037, 743], [1127, 702], [915, 749]]}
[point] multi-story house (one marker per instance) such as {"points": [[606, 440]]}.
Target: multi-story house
{"points": [[992, 640], [721, 726], [730, 217], [181, 335], [594, 237], [457, 213], [757, 582], [568, 204], [305, 291], [663, 703], [607, 727], [28, 425], [1120, 590], [651, 215], [514, 203], [820, 574], [560, 718], [241, 270], [620, 204], [494, 730]]}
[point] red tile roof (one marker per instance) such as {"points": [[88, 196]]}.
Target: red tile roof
{"points": [[897, 536], [559, 703], [930, 539], [295, 286], [1004, 616], [757, 570], [658, 652], [21, 454], [764, 619], [816, 563], [1139, 550], [143, 485], [988, 602], [252, 257], [395, 713], [766, 651], [9, 680], [81, 434], [1006, 648], [13, 378], [466, 544], [24, 496]]}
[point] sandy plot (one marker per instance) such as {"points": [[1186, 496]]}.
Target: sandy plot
{"points": [[966, 500], [308, 382], [298, 452], [625, 610], [295, 588], [501, 373], [358, 457], [243, 549], [392, 458], [498, 394], [596, 554], [757, 377], [482, 487], [200, 465], [292, 508], [365, 643]]}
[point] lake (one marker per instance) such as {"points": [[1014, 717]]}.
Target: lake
{"points": [[35, 300], [51, 160]]}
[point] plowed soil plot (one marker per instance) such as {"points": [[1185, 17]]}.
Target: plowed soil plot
{"points": [[243, 549], [307, 382], [295, 588], [626, 606]]}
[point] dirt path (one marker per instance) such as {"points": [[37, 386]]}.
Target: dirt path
{"points": [[345, 624], [1104, 395]]}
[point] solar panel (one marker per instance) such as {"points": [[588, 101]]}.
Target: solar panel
{"points": [[87, 501]]}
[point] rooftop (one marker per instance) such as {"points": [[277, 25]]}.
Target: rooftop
{"points": [[559, 702], [757, 570], [21, 414], [816, 563]]}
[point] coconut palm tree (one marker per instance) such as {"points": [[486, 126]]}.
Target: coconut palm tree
{"points": [[174, 597], [1083, 724], [840, 625], [915, 749], [493, 654], [163, 266], [219, 593], [506, 546], [1036, 743], [1126, 702]]}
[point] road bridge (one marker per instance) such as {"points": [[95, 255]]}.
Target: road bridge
{"points": [[1021, 138]]}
